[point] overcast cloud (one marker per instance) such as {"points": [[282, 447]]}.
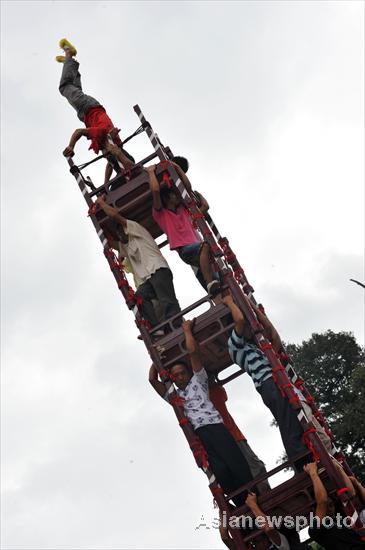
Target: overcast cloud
{"points": [[266, 101]]}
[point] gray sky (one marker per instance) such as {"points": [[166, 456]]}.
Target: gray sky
{"points": [[266, 101]]}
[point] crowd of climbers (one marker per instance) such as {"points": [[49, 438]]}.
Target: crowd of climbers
{"points": [[204, 405], [230, 457]]}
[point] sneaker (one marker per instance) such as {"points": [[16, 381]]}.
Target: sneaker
{"points": [[213, 288], [66, 45], [60, 58]]}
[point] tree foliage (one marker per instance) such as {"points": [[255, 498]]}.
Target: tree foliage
{"points": [[332, 366]]}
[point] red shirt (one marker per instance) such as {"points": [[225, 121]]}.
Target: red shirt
{"points": [[99, 125], [218, 397]]}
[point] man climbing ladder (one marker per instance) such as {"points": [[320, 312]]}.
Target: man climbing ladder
{"points": [[99, 127]]}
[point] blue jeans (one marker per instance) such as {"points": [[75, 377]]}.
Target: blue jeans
{"points": [[190, 254]]}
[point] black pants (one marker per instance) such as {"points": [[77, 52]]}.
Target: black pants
{"points": [[161, 288], [290, 428], [225, 459]]}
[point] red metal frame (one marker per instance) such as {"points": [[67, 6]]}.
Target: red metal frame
{"points": [[234, 278]]}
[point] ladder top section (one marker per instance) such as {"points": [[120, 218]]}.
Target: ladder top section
{"points": [[132, 199]]}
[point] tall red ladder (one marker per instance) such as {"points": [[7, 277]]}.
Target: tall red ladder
{"points": [[233, 278]]}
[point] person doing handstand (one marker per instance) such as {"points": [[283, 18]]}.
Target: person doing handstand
{"points": [[99, 126]]}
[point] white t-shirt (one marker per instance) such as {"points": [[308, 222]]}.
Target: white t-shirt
{"points": [[198, 407], [142, 252]]}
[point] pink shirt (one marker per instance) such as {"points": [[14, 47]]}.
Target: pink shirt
{"points": [[177, 226]]}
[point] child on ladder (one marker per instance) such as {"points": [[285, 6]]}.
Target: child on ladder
{"points": [[173, 218], [99, 127]]}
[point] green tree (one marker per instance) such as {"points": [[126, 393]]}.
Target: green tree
{"points": [[332, 366]]}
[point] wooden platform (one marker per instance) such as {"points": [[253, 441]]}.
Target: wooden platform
{"points": [[211, 330], [133, 200]]}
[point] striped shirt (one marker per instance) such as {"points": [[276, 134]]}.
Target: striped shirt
{"points": [[250, 358]]}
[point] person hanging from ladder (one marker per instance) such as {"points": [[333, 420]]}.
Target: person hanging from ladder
{"points": [[246, 354], [225, 458], [99, 127], [173, 218], [151, 271]]}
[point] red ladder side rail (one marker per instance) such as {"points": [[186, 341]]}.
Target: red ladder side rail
{"points": [[173, 398], [299, 383], [236, 266], [310, 439], [153, 137]]}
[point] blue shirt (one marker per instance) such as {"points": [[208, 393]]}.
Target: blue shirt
{"points": [[250, 358]]}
